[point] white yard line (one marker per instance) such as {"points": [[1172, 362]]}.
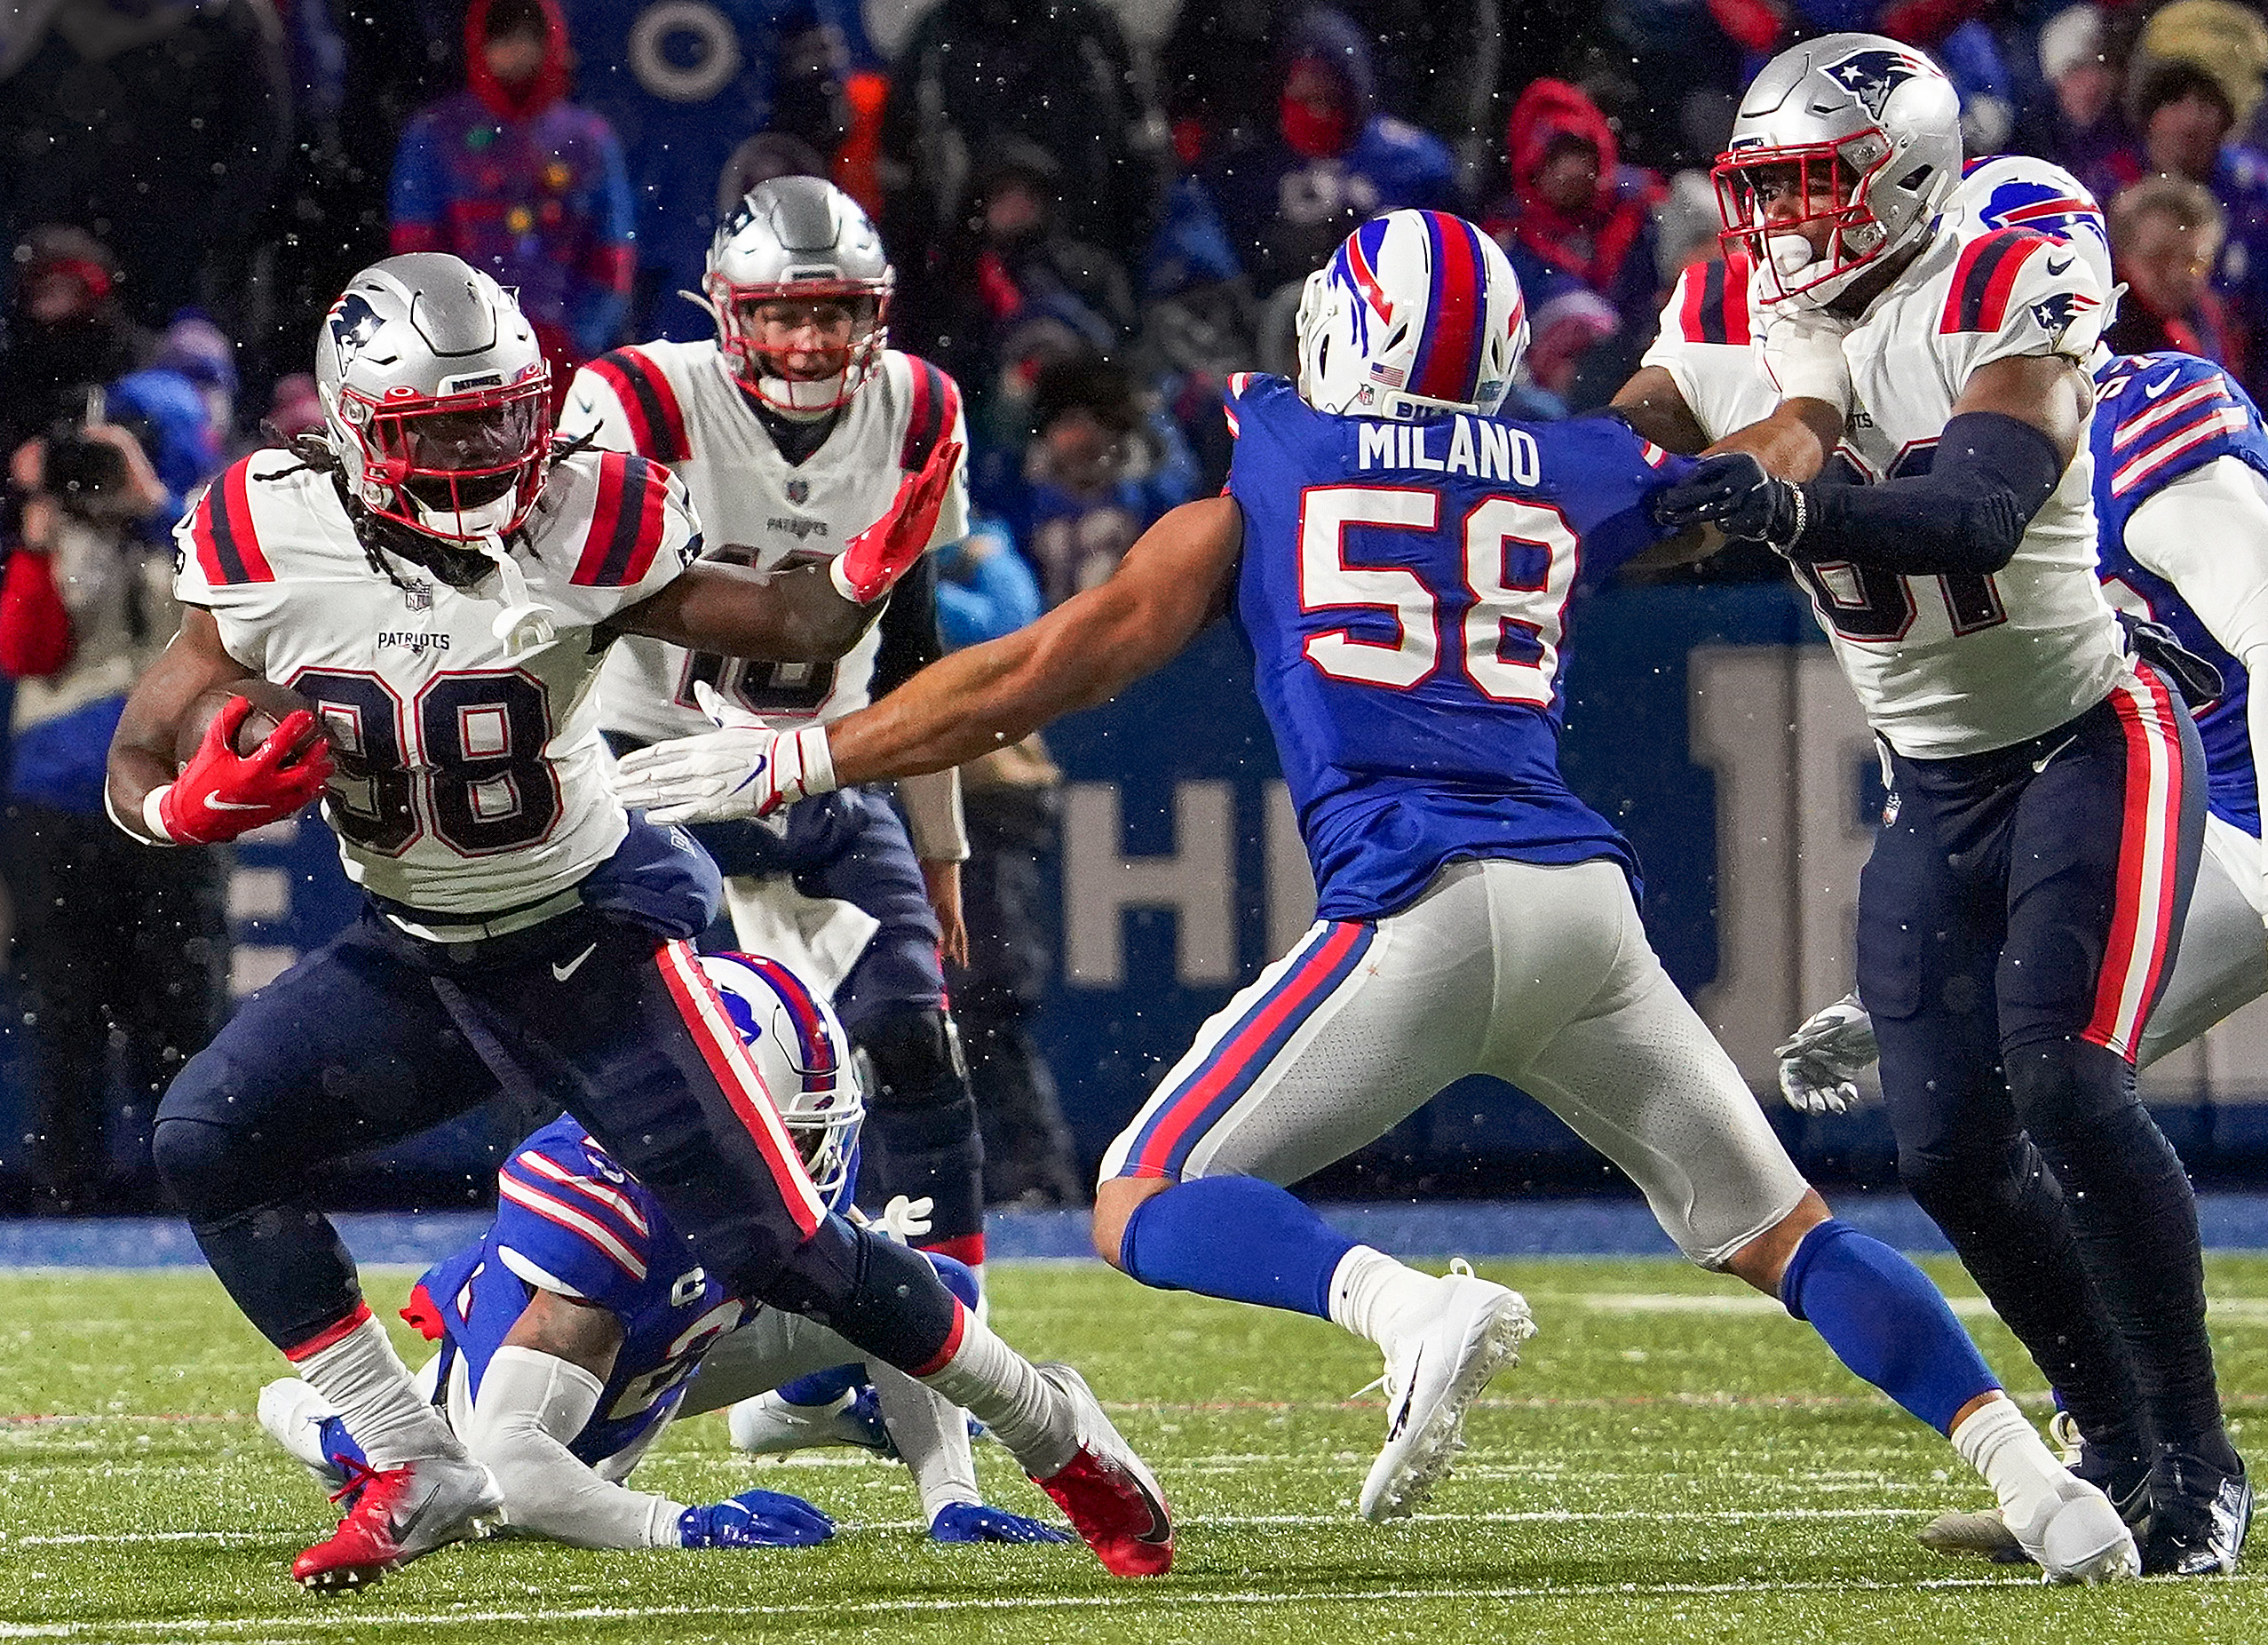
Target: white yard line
{"points": [[1148, 1599]]}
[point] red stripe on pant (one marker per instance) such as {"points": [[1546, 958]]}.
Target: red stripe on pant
{"points": [[703, 1015], [2149, 850], [1296, 990], [330, 1335]]}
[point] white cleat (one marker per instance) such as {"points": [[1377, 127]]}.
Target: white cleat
{"points": [[2078, 1537], [293, 1414], [1433, 1374], [767, 1425]]}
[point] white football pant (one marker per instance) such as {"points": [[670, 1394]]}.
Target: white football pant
{"points": [[1541, 975]]}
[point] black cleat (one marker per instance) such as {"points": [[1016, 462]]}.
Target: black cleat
{"points": [[2198, 1517]]}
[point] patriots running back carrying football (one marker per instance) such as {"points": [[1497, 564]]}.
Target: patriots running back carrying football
{"points": [[1406, 567], [2019, 916], [580, 1326], [442, 585], [793, 431]]}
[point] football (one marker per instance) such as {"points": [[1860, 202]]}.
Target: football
{"points": [[271, 702]]}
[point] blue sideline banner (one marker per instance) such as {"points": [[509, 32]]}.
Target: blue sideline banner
{"points": [[1711, 725]]}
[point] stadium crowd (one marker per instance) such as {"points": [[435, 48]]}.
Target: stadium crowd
{"points": [[1097, 214]]}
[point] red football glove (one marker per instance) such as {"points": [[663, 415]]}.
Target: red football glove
{"points": [[885, 551], [221, 794]]}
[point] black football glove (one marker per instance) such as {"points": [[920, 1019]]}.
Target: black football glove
{"points": [[1733, 492]]}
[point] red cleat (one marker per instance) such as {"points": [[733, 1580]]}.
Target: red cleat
{"points": [[1107, 1493], [400, 1515]]}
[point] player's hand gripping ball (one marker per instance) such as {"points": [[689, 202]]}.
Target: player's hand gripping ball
{"points": [[250, 753]]}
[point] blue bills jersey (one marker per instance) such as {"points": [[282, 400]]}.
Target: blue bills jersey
{"points": [[2158, 417], [570, 1220], [1405, 588]]}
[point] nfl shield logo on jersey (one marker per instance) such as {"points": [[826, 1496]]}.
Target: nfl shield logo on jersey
{"points": [[798, 491], [418, 594]]}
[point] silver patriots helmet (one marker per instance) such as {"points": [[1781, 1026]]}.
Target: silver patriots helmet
{"points": [[1856, 132], [800, 239], [436, 398]]}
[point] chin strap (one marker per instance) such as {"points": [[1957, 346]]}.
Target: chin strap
{"points": [[525, 623]]}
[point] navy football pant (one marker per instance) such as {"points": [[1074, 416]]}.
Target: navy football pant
{"points": [[378, 1035], [922, 1139], [2017, 921]]}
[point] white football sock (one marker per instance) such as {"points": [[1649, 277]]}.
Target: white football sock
{"points": [[2001, 1444], [1001, 1389], [1372, 1294], [366, 1382]]}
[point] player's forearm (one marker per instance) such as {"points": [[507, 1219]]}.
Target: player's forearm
{"points": [[530, 1404], [973, 701], [784, 616], [1966, 516], [1792, 443]]}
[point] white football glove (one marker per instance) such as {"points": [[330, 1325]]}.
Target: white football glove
{"points": [[1821, 1060], [1801, 347], [741, 770]]}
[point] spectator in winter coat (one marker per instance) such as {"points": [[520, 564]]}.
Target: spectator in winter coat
{"points": [[518, 181], [2165, 238], [1576, 209], [2196, 79], [1290, 194]]}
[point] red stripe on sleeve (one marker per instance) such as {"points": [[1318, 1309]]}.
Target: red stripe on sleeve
{"points": [[1993, 314], [606, 515], [1738, 272], [239, 504], [641, 428], [1689, 302], [1950, 320], [651, 522]]}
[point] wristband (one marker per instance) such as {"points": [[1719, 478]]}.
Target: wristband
{"points": [[815, 758], [154, 816], [842, 581]]}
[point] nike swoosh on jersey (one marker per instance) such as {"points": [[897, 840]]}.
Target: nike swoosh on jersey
{"points": [[2151, 390], [561, 974], [2055, 268]]}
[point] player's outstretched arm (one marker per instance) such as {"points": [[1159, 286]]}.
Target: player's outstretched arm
{"points": [[1175, 579], [541, 1389], [782, 616], [2010, 435], [1651, 403], [1172, 582]]}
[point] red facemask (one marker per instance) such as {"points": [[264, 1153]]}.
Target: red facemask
{"points": [[1314, 134]]}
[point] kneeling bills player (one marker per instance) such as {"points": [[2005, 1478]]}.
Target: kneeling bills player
{"points": [[578, 1328], [1403, 564]]}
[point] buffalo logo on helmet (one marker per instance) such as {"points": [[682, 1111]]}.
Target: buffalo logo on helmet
{"points": [[353, 322], [1872, 75]]}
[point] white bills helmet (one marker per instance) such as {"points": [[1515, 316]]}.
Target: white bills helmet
{"points": [[436, 398], [1417, 312], [2019, 191], [805, 1059], [799, 239], [1864, 134]]}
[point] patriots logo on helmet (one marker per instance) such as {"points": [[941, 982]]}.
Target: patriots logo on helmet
{"points": [[1870, 76], [2055, 311], [353, 322]]}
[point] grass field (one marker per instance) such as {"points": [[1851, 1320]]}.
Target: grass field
{"points": [[1675, 1462]]}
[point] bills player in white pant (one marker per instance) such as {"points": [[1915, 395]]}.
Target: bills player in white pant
{"points": [[440, 585], [1476, 915], [2022, 905], [793, 431]]}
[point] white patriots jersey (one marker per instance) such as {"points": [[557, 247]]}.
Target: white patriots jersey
{"points": [[1949, 665], [678, 403], [471, 779]]}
